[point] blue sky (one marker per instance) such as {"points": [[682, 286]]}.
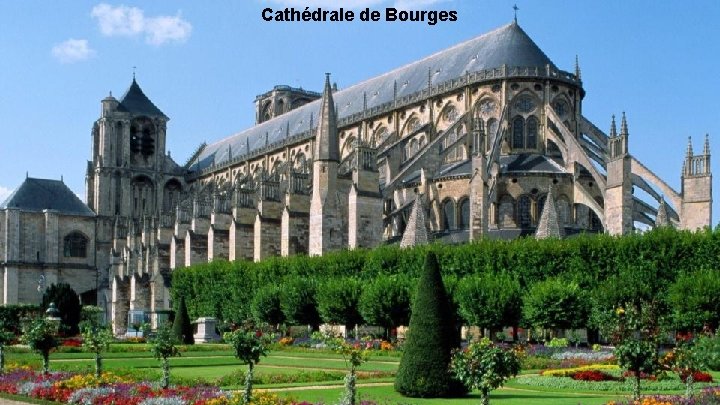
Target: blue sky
{"points": [[203, 63]]}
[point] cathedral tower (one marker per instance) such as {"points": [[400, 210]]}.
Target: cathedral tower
{"points": [[325, 218], [124, 177]]}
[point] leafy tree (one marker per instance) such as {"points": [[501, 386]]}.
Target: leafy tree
{"points": [[6, 337], [485, 367], [182, 328], [265, 305], [67, 303], [40, 335], [354, 355], [423, 370], [163, 346], [298, 302], [693, 300], [636, 330], [556, 304], [337, 301], [249, 345], [96, 336], [490, 300], [385, 301]]}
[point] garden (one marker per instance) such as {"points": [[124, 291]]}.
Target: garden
{"points": [[645, 304]]}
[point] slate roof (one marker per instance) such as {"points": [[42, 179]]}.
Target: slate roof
{"points": [[42, 194], [529, 163], [136, 102], [508, 45]]}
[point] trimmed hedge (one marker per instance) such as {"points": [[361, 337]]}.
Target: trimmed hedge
{"points": [[225, 289]]}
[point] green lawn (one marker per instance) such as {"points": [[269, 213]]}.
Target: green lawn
{"points": [[386, 394]]}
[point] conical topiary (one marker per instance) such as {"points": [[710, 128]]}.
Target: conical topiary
{"points": [[424, 366], [182, 328]]}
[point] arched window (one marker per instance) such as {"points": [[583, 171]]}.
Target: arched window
{"points": [[531, 133], [506, 212], [75, 245], [518, 140], [524, 217], [448, 210], [464, 218], [563, 210]]}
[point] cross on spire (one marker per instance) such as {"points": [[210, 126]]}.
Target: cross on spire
{"points": [[515, 8], [134, 67]]}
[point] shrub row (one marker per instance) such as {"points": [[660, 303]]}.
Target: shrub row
{"points": [[621, 268]]}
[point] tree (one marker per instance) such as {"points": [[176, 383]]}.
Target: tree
{"points": [[265, 305], [385, 301], [249, 345], [163, 346], [298, 302], [6, 337], [40, 335], [182, 328], [423, 370], [96, 336], [354, 355], [67, 303], [693, 300], [490, 301], [485, 367], [337, 301], [556, 304]]}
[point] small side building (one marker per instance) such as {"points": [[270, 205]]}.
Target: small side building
{"points": [[47, 236]]}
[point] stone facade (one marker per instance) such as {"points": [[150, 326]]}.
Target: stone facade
{"points": [[475, 136]]}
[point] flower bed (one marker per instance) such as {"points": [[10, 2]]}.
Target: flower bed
{"points": [[708, 396], [670, 384], [111, 389], [567, 372]]}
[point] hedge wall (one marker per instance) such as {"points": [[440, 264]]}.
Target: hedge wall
{"points": [[225, 289]]}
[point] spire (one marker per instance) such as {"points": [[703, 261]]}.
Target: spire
{"points": [[247, 145], [548, 225], [689, 147], [706, 148], [416, 233], [623, 126], [577, 68], [326, 140], [662, 215], [613, 128]]}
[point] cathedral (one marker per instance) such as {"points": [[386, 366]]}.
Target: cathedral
{"points": [[485, 139]]}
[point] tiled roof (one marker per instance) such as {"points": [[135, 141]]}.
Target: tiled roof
{"points": [[529, 163], [43, 194], [136, 102], [508, 45]]}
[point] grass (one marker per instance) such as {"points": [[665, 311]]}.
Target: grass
{"points": [[505, 396]]}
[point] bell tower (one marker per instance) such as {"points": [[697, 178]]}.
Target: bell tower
{"points": [[128, 156]]}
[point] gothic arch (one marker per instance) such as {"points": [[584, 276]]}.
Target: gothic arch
{"points": [[463, 213], [143, 135], [171, 194], [448, 214], [143, 196], [524, 211], [411, 125], [506, 212], [562, 204], [449, 114], [75, 244]]}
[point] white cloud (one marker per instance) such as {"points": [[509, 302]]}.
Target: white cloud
{"points": [[72, 50], [131, 21], [4, 193]]}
